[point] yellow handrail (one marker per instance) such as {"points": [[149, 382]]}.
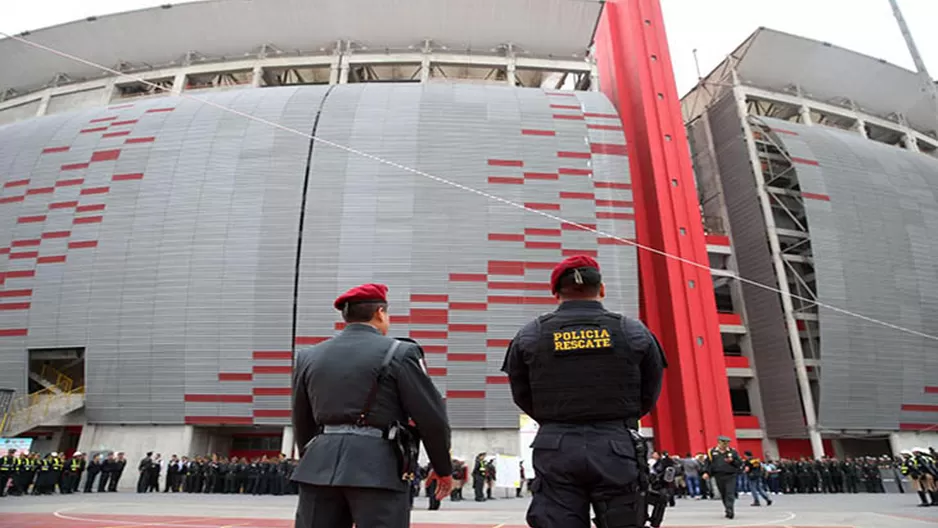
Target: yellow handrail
{"points": [[63, 382], [39, 402]]}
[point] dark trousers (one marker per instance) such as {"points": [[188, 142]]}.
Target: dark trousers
{"points": [[103, 481], [24, 480], [6, 478], [727, 486], [66, 483], [478, 486], [580, 465], [431, 494], [143, 481], [339, 507], [89, 481], [113, 479], [209, 486], [852, 483]]}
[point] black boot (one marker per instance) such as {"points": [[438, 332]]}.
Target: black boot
{"points": [[921, 496], [934, 497], [488, 493]]}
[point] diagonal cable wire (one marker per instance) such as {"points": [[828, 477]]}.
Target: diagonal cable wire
{"points": [[466, 188]]}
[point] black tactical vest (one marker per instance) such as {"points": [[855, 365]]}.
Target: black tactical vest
{"points": [[584, 370]]}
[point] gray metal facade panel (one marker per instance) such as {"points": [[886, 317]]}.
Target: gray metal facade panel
{"points": [[425, 237], [193, 266], [875, 255], [185, 303], [774, 366]]}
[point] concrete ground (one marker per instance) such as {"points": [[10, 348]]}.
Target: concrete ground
{"points": [[129, 510]]}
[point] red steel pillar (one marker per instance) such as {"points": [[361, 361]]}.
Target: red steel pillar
{"points": [[677, 300]]}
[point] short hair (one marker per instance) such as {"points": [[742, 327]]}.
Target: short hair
{"points": [[580, 290], [362, 312]]}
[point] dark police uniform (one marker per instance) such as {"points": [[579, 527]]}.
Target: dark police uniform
{"points": [[349, 473], [586, 375], [724, 466], [9, 469]]}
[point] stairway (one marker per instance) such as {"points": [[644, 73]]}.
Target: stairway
{"points": [[57, 399]]}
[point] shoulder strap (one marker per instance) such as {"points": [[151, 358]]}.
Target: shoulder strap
{"points": [[373, 392]]}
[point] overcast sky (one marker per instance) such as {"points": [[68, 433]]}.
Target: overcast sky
{"points": [[713, 27]]}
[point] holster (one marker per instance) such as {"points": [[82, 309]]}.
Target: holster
{"points": [[406, 442]]}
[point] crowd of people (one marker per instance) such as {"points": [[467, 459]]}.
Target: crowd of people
{"points": [[804, 476], [217, 474], [31, 473], [34, 474]]}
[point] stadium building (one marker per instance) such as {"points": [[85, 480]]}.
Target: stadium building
{"points": [[167, 245]]}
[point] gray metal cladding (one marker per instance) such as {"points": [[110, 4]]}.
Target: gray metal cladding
{"points": [[465, 271], [167, 250], [764, 315], [872, 211], [179, 226]]}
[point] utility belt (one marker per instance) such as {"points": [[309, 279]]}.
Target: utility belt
{"points": [[404, 439]]}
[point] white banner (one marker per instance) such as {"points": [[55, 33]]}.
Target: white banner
{"points": [[527, 430], [507, 472], [21, 445]]}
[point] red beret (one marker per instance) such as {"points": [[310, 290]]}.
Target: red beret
{"points": [[570, 263], [363, 293]]}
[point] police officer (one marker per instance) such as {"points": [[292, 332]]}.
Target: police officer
{"points": [[9, 469], [349, 471], [586, 375], [724, 465]]}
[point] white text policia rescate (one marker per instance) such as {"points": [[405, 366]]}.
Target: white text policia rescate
{"points": [[582, 339]]}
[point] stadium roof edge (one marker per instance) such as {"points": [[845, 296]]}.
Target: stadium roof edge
{"points": [[226, 29], [782, 62]]}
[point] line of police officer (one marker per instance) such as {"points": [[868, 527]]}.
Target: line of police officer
{"points": [[31, 473], [214, 474], [830, 475]]}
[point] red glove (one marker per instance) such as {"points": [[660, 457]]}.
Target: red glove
{"points": [[444, 487]]}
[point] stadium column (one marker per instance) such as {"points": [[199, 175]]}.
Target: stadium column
{"points": [[677, 300]]}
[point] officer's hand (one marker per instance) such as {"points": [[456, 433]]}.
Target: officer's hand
{"points": [[444, 487], [706, 476]]}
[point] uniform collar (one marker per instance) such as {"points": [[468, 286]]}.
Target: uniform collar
{"points": [[581, 305], [361, 327]]}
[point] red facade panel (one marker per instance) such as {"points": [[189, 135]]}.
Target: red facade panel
{"points": [[505, 180], [422, 297], [532, 132], [273, 354], [106, 155], [235, 376], [429, 334], [465, 394], [505, 163]]}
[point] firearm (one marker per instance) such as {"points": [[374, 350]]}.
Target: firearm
{"points": [[656, 497], [654, 487]]}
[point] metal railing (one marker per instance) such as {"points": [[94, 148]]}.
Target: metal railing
{"points": [[62, 382], [37, 407]]}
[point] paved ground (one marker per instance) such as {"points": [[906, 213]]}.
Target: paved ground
{"points": [[129, 510]]}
